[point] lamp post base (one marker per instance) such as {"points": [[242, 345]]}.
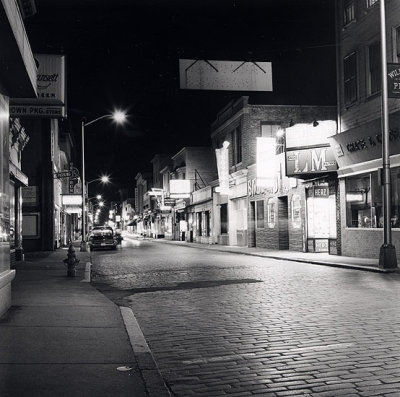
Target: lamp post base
{"points": [[84, 247], [387, 257]]}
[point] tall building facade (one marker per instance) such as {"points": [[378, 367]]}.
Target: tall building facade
{"points": [[17, 79], [358, 144], [276, 158]]}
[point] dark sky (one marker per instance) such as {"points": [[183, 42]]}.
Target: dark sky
{"points": [[124, 54]]}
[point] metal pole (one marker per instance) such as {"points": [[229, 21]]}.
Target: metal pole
{"points": [[83, 242], [387, 255]]}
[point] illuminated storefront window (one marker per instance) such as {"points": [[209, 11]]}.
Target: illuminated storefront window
{"points": [[364, 200]]}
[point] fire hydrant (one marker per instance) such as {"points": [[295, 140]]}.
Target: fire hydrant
{"points": [[71, 262]]}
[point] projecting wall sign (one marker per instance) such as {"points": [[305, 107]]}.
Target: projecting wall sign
{"points": [[225, 75]]}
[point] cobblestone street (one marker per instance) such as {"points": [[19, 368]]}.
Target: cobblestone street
{"points": [[226, 324]]}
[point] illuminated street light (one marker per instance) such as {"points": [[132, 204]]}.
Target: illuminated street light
{"points": [[119, 117]]}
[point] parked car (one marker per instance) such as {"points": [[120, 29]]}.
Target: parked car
{"points": [[102, 237]]}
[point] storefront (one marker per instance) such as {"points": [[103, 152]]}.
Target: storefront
{"points": [[311, 160], [237, 209], [270, 221], [200, 218], [359, 154]]}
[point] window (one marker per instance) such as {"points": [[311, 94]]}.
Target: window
{"points": [[236, 139], [260, 214], [374, 61], [238, 144], [224, 218], [397, 44], [370, 3], [207, 226], [349, 12], [350, 78], [270, 130], [271, 213], [364, 200]]}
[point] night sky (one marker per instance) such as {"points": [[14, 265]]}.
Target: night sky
{"points": [[125, 53]]}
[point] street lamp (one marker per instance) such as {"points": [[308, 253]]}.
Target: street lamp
{"points": [[387, 253], [118, 117]]}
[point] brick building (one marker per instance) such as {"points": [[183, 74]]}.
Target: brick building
{"points": [[358, 143], [271, 213]]}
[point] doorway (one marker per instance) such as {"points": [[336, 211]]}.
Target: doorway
{"points": [[252, 225], [283, 227]]}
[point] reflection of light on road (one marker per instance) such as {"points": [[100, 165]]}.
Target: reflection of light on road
{"points": [[215, 359], [321, 347], [235, 357]]}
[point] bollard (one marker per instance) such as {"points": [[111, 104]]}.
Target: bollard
{"points": [[71, 262]]}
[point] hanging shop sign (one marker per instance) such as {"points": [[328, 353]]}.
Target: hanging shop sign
{"points": [[63, 174], [169, 202], [51, 90], [393, 80], [310, 161], [222, 156]]}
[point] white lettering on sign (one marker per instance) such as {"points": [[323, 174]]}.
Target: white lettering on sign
{"points": [[39, 111], [318, 162], [253, 189]]}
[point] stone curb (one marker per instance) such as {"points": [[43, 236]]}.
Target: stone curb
{"points": [[282, 258], [152, 377]]}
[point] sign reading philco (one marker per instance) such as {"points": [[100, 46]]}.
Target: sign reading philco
{"points": [[310, 161], [393, 80], [51, 90]]}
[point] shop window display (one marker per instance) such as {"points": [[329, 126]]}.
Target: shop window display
{"points": [[364, 200]]}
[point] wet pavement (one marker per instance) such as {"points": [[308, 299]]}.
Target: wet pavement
{"points": [[219, 323]]}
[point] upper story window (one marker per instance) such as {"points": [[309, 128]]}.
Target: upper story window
{"points": [[396, 44], [374, 67], [236, 145], [370, 3], [350, 78], [349, 14], [270, 130]]}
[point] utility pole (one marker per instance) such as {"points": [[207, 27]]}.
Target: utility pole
{"points": [[387, 254]]}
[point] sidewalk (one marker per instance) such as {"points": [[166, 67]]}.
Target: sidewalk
{"points": [[62, 337], [366, 264]]}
